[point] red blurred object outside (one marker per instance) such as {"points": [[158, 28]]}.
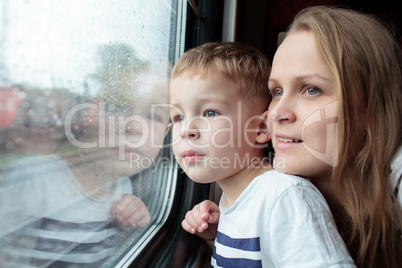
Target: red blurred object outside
{"points": [[10, 101]]}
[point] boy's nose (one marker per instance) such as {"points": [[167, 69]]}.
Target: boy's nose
{"points": [[190, 129], [189, 133]]}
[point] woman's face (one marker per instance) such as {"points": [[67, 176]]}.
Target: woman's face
{"points": [[303, 113]]}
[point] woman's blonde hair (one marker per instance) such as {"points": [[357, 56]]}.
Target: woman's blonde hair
{"points": [[366, 63]]}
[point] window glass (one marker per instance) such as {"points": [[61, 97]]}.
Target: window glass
{"points": [[86, 171]]}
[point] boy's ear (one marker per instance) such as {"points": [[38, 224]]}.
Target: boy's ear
{"points": [[263, 134]]}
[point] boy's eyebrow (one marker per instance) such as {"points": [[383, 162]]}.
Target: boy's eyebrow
{"points": [[171, 105], [214, 99]]}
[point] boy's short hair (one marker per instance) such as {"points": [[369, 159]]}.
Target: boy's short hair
{"points": [[239, 62]]}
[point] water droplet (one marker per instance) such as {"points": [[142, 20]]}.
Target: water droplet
{"points": [[31, 112], [25, 104], [22, 95], [10, 145]]}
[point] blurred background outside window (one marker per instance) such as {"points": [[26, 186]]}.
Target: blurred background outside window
{"points": [[85, 163]]}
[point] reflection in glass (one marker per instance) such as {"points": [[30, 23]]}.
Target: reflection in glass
{"points": [[84, 116]]}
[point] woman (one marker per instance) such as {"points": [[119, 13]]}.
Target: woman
{"points": [[365, 63]]}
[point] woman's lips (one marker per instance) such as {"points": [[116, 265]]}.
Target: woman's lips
{"points": [[287, 143]]}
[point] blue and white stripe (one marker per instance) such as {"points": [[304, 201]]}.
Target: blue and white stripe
{"points": [[236, 252]]}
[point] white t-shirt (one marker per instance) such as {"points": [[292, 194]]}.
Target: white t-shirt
{"points": [[396, 175], [278, 221]]}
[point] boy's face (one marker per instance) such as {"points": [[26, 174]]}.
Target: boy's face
{"points": [[212, 127]]}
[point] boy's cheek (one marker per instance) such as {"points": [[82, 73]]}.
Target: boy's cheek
{"points": [[175, 149], [175, 133], [222, 139]]}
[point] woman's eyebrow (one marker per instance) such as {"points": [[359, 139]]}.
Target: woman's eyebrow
{"points": [[304, 77], [272, 80], [313, 76]]}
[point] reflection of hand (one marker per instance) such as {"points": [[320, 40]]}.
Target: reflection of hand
{"points": [[131, 211], [202, 220]]}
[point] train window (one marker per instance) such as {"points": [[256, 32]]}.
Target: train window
{"points": [[86, 171]]}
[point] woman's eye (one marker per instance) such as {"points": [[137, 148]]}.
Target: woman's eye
{"points": [[210, 113], [277, 93], [312, 91]]}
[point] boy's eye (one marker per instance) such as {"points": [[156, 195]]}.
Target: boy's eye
{"points": [[210, 113], [179, 118]]}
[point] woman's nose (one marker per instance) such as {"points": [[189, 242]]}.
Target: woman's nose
{"points": [[282, 112]]}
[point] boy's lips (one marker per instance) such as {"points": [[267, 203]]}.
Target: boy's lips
{"points": [[190, 156]]}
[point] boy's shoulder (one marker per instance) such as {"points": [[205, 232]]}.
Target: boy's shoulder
{"points": [[272, 189], [275, 177], [273, 183]]}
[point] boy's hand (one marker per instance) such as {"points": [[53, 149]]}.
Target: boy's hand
{"points": [[202, 220], [131, 211]]}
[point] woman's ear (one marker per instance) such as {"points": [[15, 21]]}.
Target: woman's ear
{"points": [[263, 134]]}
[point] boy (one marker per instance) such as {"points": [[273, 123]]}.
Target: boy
{"points": [[219, 98]]}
